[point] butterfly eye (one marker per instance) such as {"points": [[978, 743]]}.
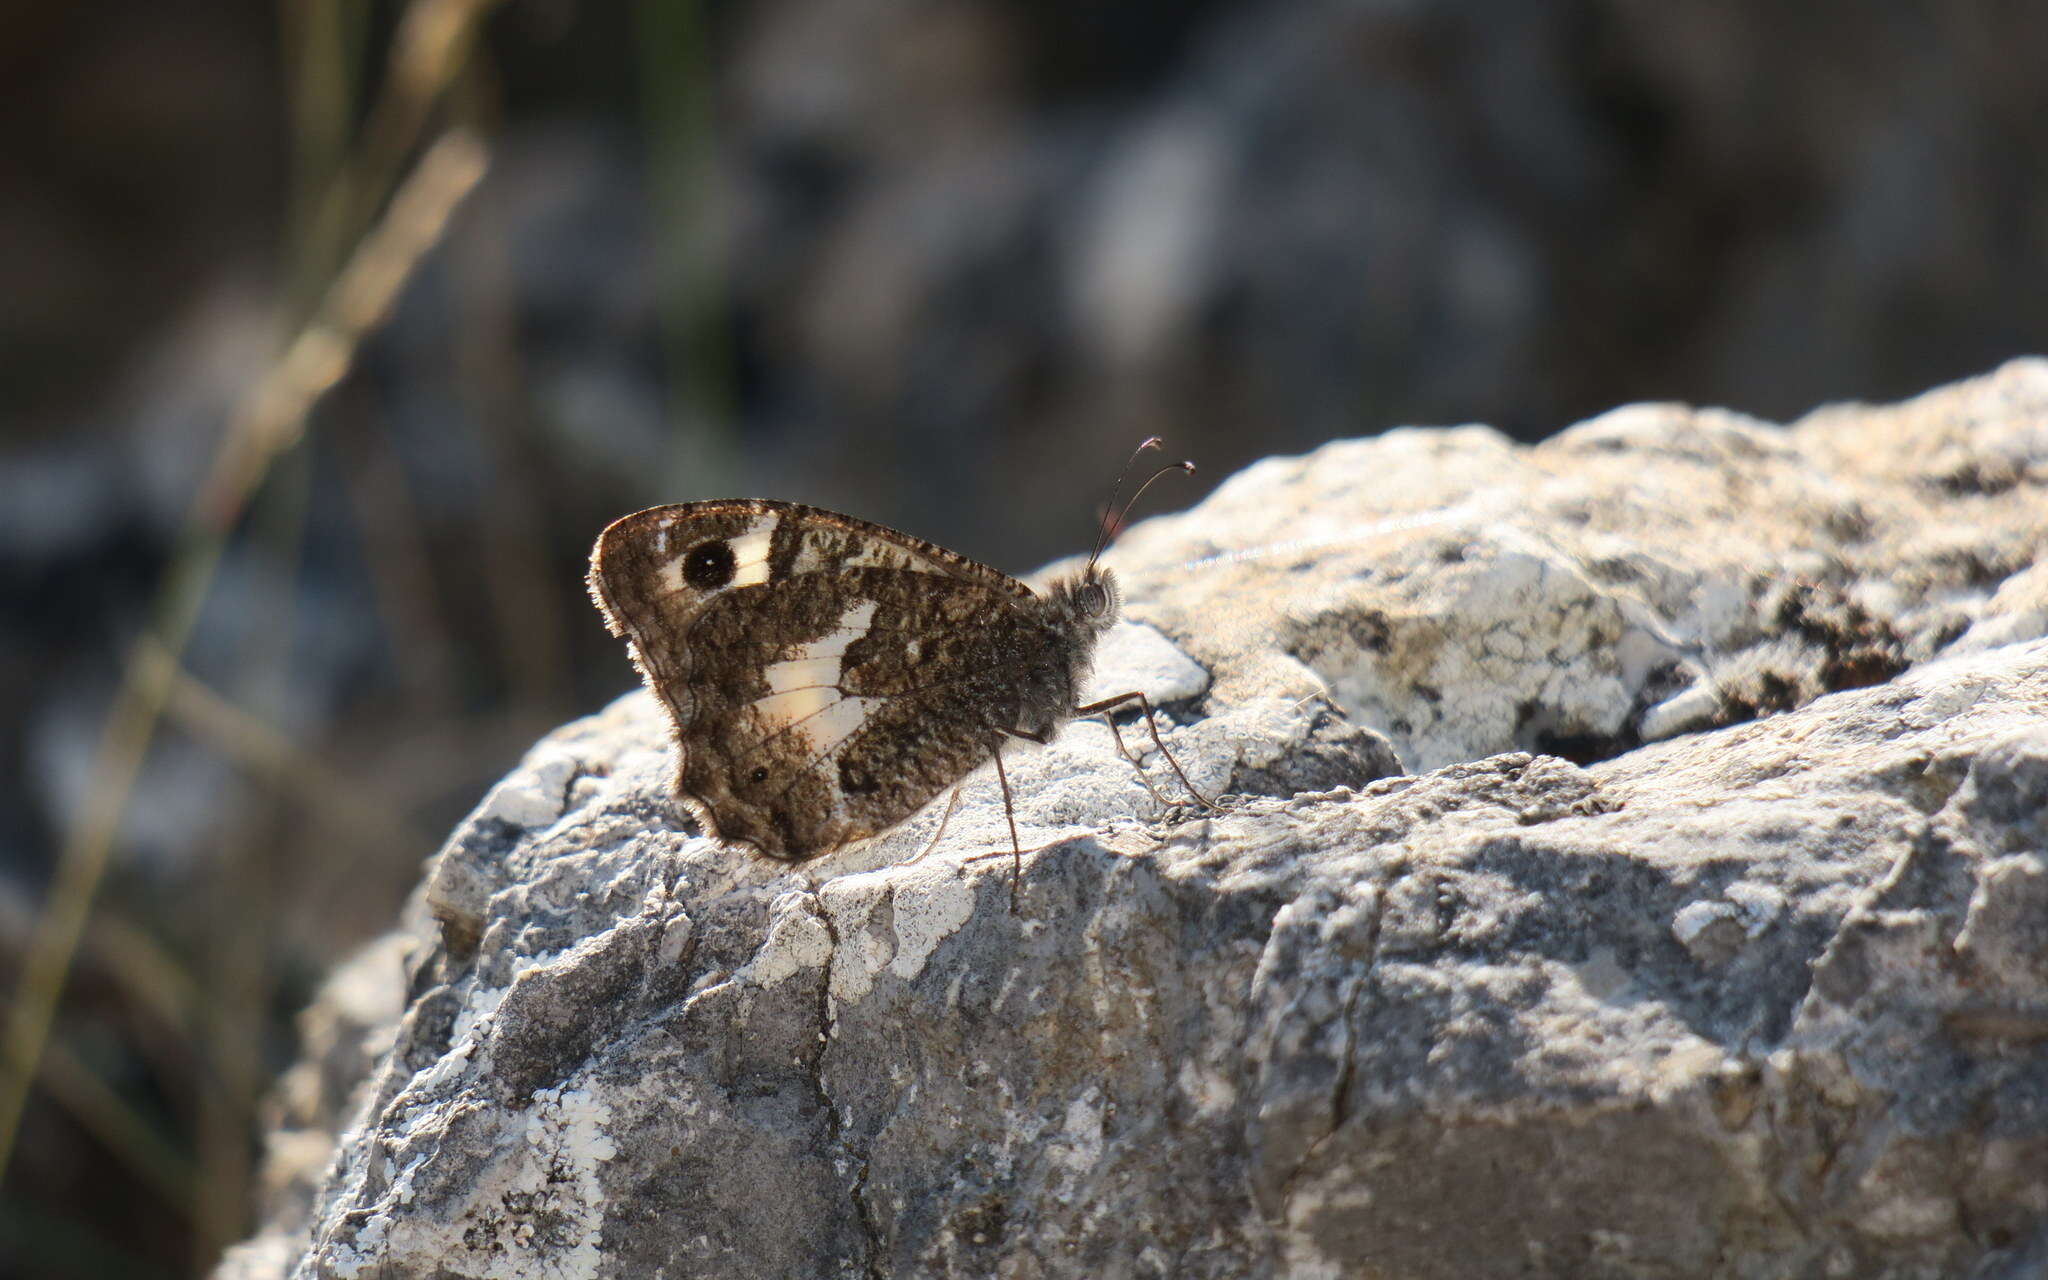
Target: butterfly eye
{"points": [[1094, 600]]}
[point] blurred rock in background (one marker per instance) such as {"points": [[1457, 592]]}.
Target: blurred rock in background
{"points": [[938, 265]]}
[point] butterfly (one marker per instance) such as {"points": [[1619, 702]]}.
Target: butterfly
{"points": [[825, 678]]}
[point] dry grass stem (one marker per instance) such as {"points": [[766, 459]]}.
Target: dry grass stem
{"points": [[271, 419]]}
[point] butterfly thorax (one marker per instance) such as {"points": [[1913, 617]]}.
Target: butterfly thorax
{"points": [[1076, 611]]}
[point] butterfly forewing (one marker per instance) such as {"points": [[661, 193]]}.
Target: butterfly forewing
{"points": [[825, 677]]}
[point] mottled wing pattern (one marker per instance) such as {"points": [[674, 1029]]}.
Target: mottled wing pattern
{"points": [[825, 677]]}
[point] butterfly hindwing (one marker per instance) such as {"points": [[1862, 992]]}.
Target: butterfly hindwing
{"points": [[825, 677]]}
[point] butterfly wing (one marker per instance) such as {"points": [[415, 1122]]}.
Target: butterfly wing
{"points": [[825, 677]]}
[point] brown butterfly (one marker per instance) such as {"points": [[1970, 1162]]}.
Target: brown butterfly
{"points": [[826, 677]]}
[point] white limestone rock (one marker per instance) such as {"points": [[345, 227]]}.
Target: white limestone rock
{"points": [[1750, 985]]}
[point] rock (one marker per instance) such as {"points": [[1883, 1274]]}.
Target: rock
{"points": [[1706, 939]]}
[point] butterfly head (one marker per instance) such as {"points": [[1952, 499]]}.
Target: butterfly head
{"points": [[1087, 601]]}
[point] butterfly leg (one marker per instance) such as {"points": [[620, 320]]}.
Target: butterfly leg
{"points": [[1107, 705], [1136, 768], [1010, 813], [952, 803]]}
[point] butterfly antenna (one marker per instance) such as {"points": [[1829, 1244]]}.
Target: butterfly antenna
{"points": [[1113, 524], [1108, 512], [1116, 526]]}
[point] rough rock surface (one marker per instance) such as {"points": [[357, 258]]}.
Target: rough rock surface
{"points": [[1708, 936]]}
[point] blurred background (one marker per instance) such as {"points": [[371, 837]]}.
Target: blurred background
{"points": [[335, 331]]}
